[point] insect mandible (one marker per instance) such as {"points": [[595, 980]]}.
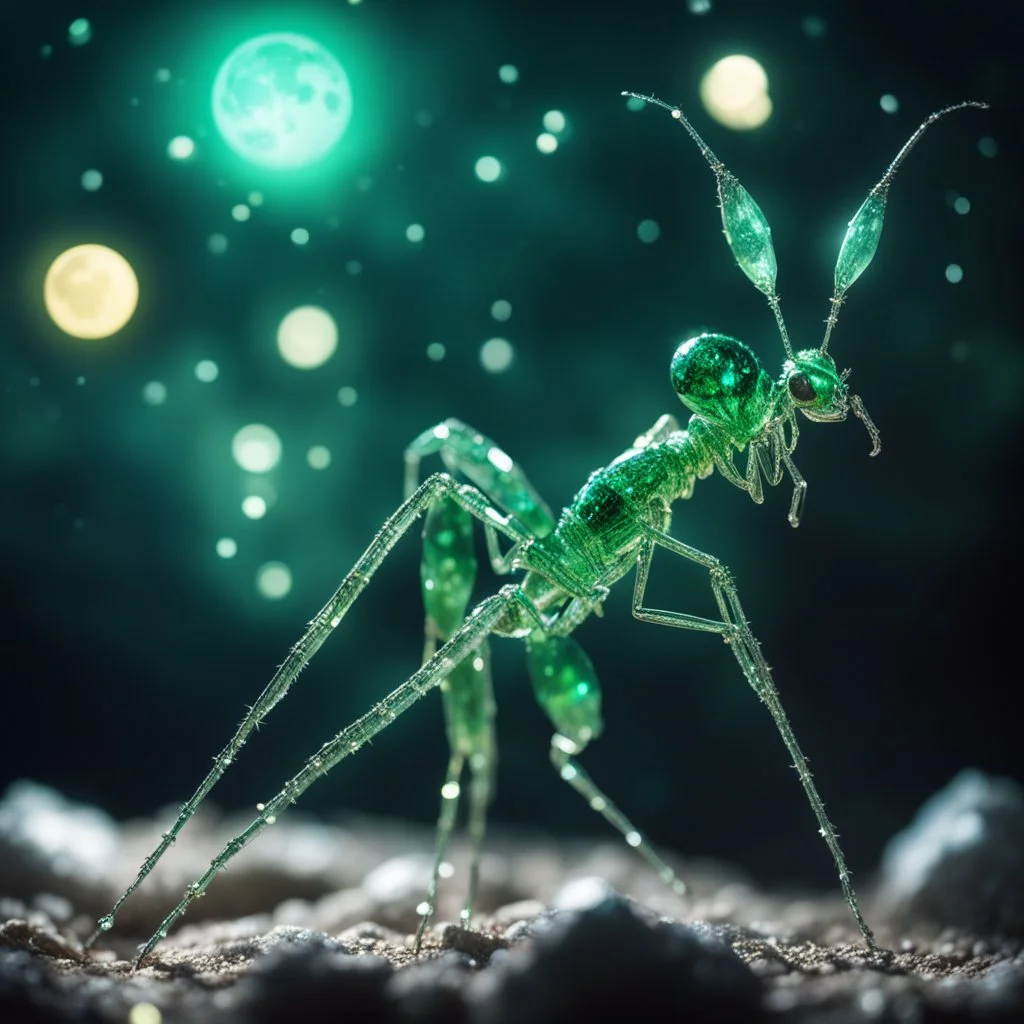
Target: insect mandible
{"points": [[613, 525]]}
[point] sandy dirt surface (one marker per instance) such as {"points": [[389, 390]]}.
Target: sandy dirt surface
{"points": [[315, 923]]}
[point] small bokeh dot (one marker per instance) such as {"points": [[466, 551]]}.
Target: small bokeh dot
{"points": [[227, 547], [496, 355], [206, 371], [79, 32], [488, 168], [273, 580], [319, 456], [181, 147], [554, 121], [154, 393], [648, 231], [254, 507]]}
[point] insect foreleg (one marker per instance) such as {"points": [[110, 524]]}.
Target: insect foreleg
{"points": [[735, 630]]}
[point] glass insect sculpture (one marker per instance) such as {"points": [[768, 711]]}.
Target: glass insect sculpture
{"points": [[563, 567]]}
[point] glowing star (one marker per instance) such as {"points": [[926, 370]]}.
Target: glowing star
{"points": [[90, 291], [281, 100]]}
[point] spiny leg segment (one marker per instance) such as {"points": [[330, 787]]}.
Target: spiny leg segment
{"points": [[492, 613], [736, 632], [321, 626]]}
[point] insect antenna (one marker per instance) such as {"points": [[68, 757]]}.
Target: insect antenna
{"points": [[864, 231], [746, 228]]}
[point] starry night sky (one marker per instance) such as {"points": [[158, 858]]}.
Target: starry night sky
{"points": [[130, 648]]}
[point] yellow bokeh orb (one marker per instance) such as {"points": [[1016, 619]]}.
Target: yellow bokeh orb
{"points": [[90, 291], [735, 92], [145, 1013]]}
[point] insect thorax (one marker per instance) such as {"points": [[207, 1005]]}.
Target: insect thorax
{"points": [[598, 533]]}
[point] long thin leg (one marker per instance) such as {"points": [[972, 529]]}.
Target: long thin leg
{"points": [[481, 792], [469, 716], [322, 625], [566, 687], [569, 770], [467, 451], [491, 614], [450, 793], [736, 632], [447, 572]]}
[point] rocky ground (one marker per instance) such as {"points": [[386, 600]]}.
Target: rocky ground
{"points": [[314, 923]]}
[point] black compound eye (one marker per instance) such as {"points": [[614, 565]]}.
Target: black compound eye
{"points": [[801, 389]]}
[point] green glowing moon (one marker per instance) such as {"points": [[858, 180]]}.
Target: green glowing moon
{"points": [[281, 100]]}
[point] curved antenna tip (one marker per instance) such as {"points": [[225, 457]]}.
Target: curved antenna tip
{"points": [[674, 111]]}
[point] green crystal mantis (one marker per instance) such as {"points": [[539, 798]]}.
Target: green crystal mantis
{"points": [[614, 524]]}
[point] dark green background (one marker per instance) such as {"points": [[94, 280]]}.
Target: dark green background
{"points": [[891, 617]]}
